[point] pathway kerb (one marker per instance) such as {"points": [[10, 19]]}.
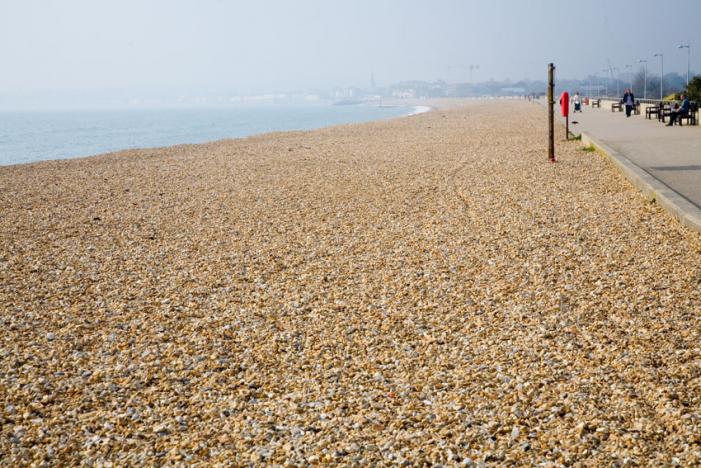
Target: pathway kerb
{"points": [[679, 207]]}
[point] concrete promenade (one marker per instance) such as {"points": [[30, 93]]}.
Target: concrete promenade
{"points": [[664, 162]]}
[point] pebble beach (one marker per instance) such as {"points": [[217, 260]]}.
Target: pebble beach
{"points": [[427, 290]]}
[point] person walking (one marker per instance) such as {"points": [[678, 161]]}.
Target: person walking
{"points": [[628, 101], [577, 102]]}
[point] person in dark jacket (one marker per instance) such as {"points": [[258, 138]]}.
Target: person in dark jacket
{"points": [[683, 111], [629, 101]]}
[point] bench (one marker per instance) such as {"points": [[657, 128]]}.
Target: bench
{"points": [[665, 111], [653, 110], [616, 106], [596, 103], [691, 115]]}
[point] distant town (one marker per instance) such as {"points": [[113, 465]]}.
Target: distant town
{"points": [[220, 96]]}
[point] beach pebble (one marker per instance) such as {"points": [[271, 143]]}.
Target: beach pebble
{"points": [[384, 294]]}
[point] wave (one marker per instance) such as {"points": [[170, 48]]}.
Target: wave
{"points": [[420, 110]]}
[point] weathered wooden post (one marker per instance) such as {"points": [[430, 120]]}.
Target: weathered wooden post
{"points": [[551, 111]]}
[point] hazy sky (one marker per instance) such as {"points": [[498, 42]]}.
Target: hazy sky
{"points": [[288, 44]]}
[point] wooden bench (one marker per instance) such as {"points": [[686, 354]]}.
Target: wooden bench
{"points": [[616, 106], [690, 116], [665, 112], [596, 103], [652, 110]]}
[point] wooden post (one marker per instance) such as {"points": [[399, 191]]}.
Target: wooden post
{"points": [[567, 127], [551, 116]]}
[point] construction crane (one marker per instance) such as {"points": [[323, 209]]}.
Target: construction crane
{"points": [[471, 67]]}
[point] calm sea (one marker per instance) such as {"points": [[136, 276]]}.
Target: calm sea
{"points": [[29, 136]]}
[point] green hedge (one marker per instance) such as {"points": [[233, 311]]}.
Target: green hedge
{"points": [[694, 89]]}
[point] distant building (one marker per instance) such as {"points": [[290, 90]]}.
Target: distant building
{"points": [[347, 93], [513, 91], [420, 89]]}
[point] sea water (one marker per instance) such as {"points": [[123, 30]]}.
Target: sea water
{"points": [[28, 136]]}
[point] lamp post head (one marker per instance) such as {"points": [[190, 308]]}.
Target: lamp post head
{"points": [[659, 55], [683, 46]]}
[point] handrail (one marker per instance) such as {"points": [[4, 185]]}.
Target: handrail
{"points": [[642, 101]]}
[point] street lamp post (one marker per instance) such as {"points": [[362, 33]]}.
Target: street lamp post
{"points": [[606, 87], [472, 68], [598, 85], [614, 70], [688, 59], [661, 56], [590, 87], [644, 78]]}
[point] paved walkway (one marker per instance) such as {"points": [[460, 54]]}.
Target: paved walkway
{"points": [[664, 162], [670, 154]]}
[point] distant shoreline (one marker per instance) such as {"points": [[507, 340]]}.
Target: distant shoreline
{"points": [[421, 110], [95, 133]]}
